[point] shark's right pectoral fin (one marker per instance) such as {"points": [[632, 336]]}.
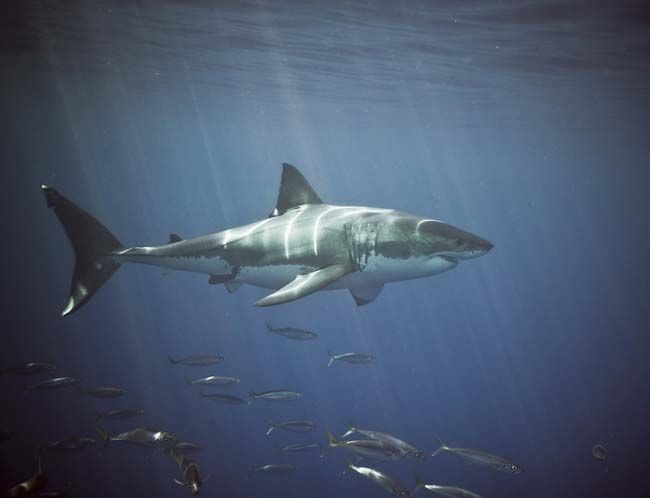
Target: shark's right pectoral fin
{"points": [[304, 285]]}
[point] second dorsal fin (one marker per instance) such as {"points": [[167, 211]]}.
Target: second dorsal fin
{"points": [[174, 238], [294, 191]]}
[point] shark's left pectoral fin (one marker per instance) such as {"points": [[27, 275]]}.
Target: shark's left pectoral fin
{"points": [[366, 294], [304, 285]]}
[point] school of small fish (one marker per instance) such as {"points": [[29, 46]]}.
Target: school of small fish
{"points": [[358, 443]]}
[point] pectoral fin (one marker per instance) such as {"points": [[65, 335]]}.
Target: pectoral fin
{"points": [[178, 482], [304, 285], [366, 294]]}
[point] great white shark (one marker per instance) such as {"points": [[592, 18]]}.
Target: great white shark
{"points": [[303, 246]]}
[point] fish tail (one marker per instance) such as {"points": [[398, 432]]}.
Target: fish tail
{"points": [[189, 382], [95, 249], [331, 440], [419, 483], [443, 447], [351, 430], [172, 360], [268, 327], [251, 396], [104, 435], [272, 426], [331, 355]]}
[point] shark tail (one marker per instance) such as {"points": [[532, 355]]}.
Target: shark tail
{"points": [[441, 448], [93, 245]]}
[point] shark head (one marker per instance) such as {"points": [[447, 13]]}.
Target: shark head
{"points": [[440, 239]]}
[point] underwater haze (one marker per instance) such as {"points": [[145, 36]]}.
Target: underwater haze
{"points": [[525, 123]]}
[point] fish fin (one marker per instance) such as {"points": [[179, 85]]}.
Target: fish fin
{"points": [[295, 191], [443, 447], [303, 285], [178, 482], [331, 355], [268, 433], [268, 327], [93, 245], [104, 435], [220, 279], [189, 382], [366, 294], [419, 483], [331, 440], [172, 360], [232, 286], [173, 238], [251, 396], [351, 430]]}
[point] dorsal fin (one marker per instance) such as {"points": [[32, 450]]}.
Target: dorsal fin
{"points": [[294, 191], [174, 238]]}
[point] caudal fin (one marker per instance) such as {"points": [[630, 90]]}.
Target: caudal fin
{"points": [[104, 435], [443, 447], [331, 355], [271, 427], [268, 327], [331, 440], [93, 245], [419, 484]]}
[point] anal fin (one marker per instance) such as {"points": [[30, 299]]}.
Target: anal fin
{"points": [[304, 285], [366, 294]]}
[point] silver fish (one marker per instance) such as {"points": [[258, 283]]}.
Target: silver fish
{"points": [[274, 468], [299, 447], [142, 436], [384, 480], [292, 333], [213, 380], [481, 457], [292, 426], [368, 448], [56, 383], [450, 491], [70, 445], [355, 358], [190, 472], [199, 360], [275, 395], [30, 368], [185, 447], [118, 414], [224, 398], [104, 392], [403, 446]]}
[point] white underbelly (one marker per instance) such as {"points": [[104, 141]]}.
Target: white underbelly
{"points": [[270, 277]]}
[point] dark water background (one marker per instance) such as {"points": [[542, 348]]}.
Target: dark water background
{"points": [[524, 122]]}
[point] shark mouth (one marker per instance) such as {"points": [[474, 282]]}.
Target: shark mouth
{"points": [[449, 259]]}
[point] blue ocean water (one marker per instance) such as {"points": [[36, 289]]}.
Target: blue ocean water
{"points": [[525, 123]]}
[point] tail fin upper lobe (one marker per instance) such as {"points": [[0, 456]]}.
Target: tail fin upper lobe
{"points": [[93, 245]]}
